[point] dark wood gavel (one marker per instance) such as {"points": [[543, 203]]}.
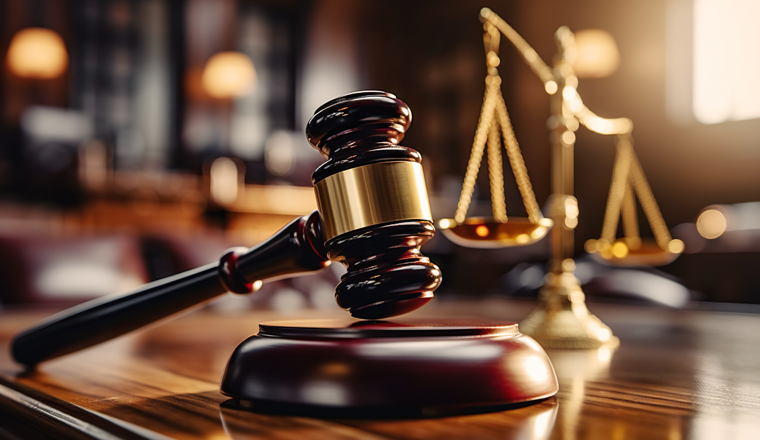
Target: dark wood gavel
{"points": [[373, 217]]}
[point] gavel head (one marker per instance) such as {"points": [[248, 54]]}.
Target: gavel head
{"points": [[373, 203]]}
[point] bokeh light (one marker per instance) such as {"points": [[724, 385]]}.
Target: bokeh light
{"points": [[37, 53], [229, 75], [711, 223], [597, 54]]}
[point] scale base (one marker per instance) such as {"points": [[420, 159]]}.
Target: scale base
{"points": [[417, 367], [562, 319]]}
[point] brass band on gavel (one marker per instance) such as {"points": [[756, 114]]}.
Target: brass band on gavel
{"points": [[370, 195]]}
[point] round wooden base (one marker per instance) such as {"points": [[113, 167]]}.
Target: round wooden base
{"points": [[415, 366]]}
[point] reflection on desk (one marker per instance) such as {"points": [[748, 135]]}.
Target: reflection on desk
{"points": [[676, 375]]}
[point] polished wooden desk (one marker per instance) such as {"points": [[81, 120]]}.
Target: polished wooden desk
{"points": [[676, 375]]}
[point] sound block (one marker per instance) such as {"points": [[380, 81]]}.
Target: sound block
{"points": [[405, 366]]}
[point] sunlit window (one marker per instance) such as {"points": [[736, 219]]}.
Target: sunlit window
{"points": [[726, 60]]}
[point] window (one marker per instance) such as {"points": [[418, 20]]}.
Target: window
{"points": [[726, 64]]}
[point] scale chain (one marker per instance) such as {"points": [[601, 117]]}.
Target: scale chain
{"points": [[628, 177], [630, 220], [478, 145], [649, 205], [496, 174], [620, 171], [518, 163]]}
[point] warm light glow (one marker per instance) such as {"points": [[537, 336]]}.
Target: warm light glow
{"points": [[481, 231], [568, 138], [224, 180], [542, 424], [619, 249], [602, 245], [229, 75], [597, 54], [590, 246], [676, 246], [603, 334], [37, 53], [602, 125], [550, 87], [569, 93], [725, 84], [444, 224], [572, 124], [522, 238], [711, 224], [571, 210], [568, 265], [604, 354], [536, 368]]}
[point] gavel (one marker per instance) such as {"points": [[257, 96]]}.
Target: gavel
{"points": [[373, 216]]}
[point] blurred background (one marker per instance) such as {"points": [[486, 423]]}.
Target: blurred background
{"points": [[140, 138]]}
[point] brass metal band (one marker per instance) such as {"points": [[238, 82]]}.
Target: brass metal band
{"points": [[370, 195]]}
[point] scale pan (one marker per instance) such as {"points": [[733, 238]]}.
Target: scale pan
{"points": [[648, 253], [487, 233]]}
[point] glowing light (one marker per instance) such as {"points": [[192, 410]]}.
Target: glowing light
{"points": [[228, 75], [597, 54], [224, 180], [568, 138], [603, 245], [603, 334], [604, 354], [619, 249], [725, 85], [711, 224], [676, 246], [550, 87], [568, 265], [538, 232], [571, 210], [572, 124], [536, 368], [37, 53], [444, 224], [569, 93], [542, 424], [605, 126], [522, 238], [482, 231], [575, 105], [590, 246]]}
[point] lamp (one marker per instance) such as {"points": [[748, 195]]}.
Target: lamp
{"points": [[37, 53], [596, 54], [228, 75]]}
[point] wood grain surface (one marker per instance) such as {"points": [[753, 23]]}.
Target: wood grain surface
{"points": [[678, 374]]}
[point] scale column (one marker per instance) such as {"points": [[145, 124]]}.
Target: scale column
{"points": [[562, 320]]}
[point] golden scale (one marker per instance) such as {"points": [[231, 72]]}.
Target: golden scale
{"points": [[561, 319]]}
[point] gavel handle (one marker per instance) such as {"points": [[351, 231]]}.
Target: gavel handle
{"points": [[296, 248]]}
